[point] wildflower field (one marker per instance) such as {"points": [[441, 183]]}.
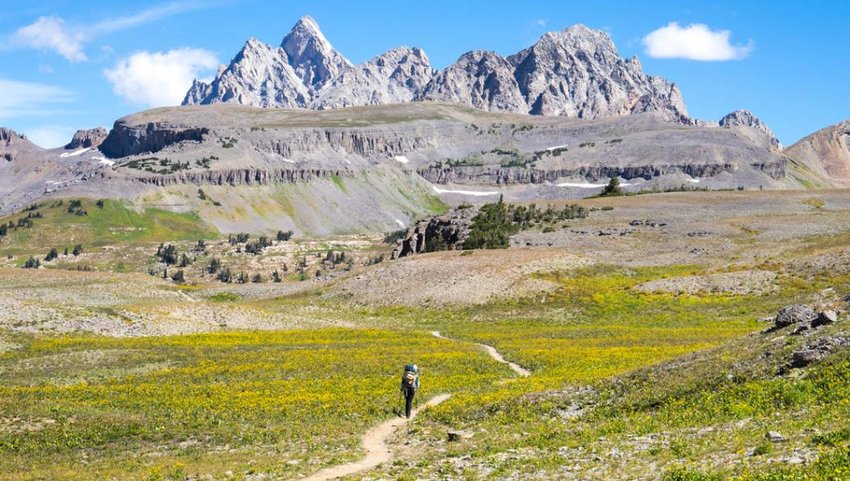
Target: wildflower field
{"points": [[283, 402]]}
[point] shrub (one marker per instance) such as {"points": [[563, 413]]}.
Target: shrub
{"points": [[491, 228], [612, 189], [284, 236], [53, 254], [178, 276], [78, 249], [32, 263]]}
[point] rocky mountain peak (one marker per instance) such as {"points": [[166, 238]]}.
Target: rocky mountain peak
{"points": [[479, 78], [90, 138], [8, 136], [745, 118], [313, 58], [392, 77]]}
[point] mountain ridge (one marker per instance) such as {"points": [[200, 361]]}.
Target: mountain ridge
{"points": [[576, 72]]}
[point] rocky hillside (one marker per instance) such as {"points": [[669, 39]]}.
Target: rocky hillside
{"points": [[826, 153], [574, 73]]}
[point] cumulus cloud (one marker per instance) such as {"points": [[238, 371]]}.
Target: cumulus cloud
{"points": [[21, 99], [693, 42], [156, 79], [51, 33]]}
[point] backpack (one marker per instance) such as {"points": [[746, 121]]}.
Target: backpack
{"points": [[409, 379]]}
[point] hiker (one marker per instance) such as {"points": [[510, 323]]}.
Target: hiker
{"points": [[409, 385]]}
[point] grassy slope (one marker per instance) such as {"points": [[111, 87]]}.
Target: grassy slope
{"points": [[115, 223]]}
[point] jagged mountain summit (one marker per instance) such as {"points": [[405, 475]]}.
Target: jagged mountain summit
{"points": [[745, 118], [574, 73]]}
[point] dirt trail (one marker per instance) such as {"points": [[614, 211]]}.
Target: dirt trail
{"points": [[494, 354], [375, 444], [375, 440]]}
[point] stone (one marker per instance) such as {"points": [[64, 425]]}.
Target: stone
{"points": [[458, 435], [775, 437], [825, 318], [794, 314], [805, 357]]}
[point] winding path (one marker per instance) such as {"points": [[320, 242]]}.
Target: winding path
{"points": [[375, 444], [494, 354], [375, 440]]}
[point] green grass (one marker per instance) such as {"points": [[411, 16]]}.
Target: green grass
{"points": [[339, 182], [212, 403], [115, 223]]}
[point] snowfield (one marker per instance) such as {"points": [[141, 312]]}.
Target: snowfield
{"points": [[75, 153]]}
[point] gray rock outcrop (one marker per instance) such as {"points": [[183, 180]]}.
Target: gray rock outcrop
{"points": [[90, 138], [794, 314], [745, 118], [444, 232], [575, 73], [125, 139]]}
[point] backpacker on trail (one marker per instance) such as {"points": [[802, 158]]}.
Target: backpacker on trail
{"points": [[409, 385]]}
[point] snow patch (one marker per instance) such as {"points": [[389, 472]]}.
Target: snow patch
{"points": [[695, 181], [463, 192], [104, 161], [587, 185], [402, 159], [550, 149], [287, 160], [400, 223], [75, 153]]}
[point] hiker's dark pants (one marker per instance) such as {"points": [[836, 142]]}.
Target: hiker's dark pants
{"points": [[409, 392]]}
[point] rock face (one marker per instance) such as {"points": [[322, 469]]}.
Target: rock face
{"points": [[13, 144], [575, 73], [125, 139], [310, 54], [578, 73], [481, 79], [87, 138], [258, 75], [827, 152], [393, 77], [444, 232], [745, 118]]}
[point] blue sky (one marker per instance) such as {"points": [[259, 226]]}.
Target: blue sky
{"points": [[78, 64]]}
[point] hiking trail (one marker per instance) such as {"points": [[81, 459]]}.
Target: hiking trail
{"points": [[375, 440], [375, 444], [493, 354]]}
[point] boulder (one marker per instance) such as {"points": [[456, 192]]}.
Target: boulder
{"points": [[775, 437], [825, 318], [794, 314], [805, 357]]}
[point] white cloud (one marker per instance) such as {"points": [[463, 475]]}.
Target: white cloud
{"points": [[541, 21], [50, 136], [51, 33], [693, 42], [156, 79], [21, 99]]}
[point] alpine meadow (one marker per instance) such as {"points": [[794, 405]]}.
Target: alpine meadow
{"points": [[529, 261]]}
